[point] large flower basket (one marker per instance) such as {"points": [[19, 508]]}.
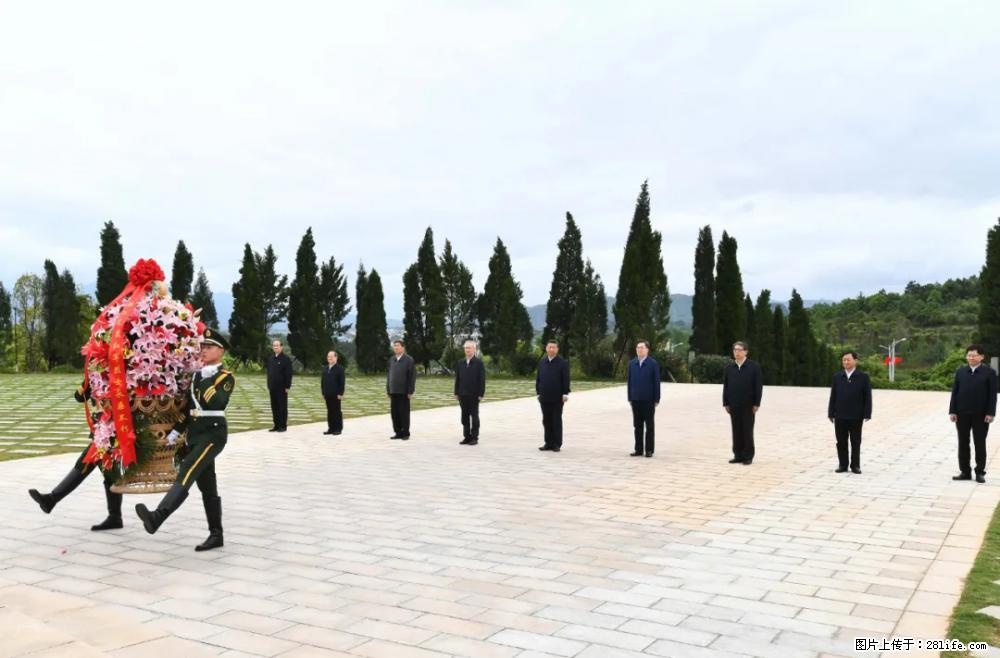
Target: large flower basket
{"points": [[143, 348]]}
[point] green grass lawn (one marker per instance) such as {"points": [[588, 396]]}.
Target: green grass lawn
{"points": [[980, 591], [38, 415]]}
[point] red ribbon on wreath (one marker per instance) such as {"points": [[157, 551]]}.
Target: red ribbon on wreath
{"points": [[140, 281]]}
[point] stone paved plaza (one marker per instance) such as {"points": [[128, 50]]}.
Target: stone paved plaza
{"points": [[362, 546]]}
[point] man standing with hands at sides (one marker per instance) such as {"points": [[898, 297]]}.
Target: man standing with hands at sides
{"points": [[644, 396], [973, 407], [333, 385], [400, 382], [470, 388], [850, 407], [742, 386], [279, 381], [552, 388]]}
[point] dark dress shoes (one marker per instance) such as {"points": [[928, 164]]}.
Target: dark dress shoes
{"points": [[747, 462], [842, 469], [856, 471], [735, 460], [649, 454], [635, 454], [961, 476], [980, 478]]}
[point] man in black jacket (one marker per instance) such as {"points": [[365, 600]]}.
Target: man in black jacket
{"points": [[279, 381], [470, 388], [400, 383], [552, 388], [850, 406], [742, 386], [973, 407], [333, 385]]}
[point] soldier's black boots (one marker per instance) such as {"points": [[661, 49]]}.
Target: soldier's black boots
{"points": [[48, 501], [114, 520], [152, 520], [213, 512]]}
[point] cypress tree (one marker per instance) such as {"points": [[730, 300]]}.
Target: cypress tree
{"points": [[334, 300], [306, 330], [779, 349], [503, 319], [71, 336], [371, 339], [51, 314], [202, 298], [731, 316], [704, 332], [273, 289], [989, 294], [111, 275], [642, 304], [459, 297], [6, 322], [763, 337], [182, 273], [590, 321], [247, 339], [565, 291], [750, 333], [28, 298], [801, 344], [424, 305]]}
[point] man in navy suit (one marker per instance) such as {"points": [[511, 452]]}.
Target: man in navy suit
{"points": [[850, 406], [742, 386], [973, 407], [332, 386], [552, 388], [644, 396], [470, 388]]}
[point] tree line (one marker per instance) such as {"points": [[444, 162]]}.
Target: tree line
{"points": [[441, 308]]}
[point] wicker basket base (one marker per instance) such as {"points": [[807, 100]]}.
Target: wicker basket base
{"points": [[158, 474]]}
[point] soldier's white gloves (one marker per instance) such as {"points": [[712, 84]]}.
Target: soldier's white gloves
{"points": [[172, 437]]}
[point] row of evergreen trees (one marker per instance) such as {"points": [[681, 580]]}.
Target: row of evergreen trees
{"points": [[723, 313]]}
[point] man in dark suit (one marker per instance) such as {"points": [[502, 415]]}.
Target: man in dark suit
{"points": [[742, 386], [279, 382], [400, 383], [644, 396], [850, 407], [333, 385], [470, 388], [552, 388], [973, 407]]}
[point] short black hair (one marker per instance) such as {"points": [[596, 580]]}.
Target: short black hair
{"points": [[854, 355], [398, 341], [975, 347], [643, 341], [552, 341], [741, 344]]}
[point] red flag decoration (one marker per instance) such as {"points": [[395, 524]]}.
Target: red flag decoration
{"points": [[898, 360]]}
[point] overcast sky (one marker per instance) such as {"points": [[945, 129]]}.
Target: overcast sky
{"points": [[847, 146]]}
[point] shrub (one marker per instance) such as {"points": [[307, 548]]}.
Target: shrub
{"points": [[708, 368]]}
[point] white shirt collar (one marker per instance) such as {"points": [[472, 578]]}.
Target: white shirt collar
{"points": [[849, 372], [208, 371], [641, 360], [739, 364], [973, 368]]}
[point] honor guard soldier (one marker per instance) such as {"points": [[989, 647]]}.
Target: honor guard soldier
{"points": [[78, 474], [205, 422]]}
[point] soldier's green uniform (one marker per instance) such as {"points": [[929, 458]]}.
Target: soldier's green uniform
{"points": [[78, 474], [205, 422]]}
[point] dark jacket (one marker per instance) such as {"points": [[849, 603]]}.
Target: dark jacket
{"points": [[850, 399], [470, 378], [333, 382], [279, 372], [644, 382], [552, 380], [742, 387], [402, 376], [974, 392]]}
